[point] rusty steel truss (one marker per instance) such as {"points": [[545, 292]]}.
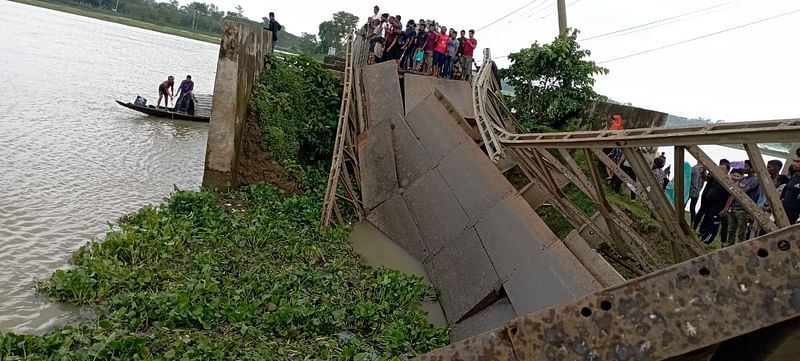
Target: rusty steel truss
{"points": [[692, 306], [344, 179], [543, 156], [686, 311]]}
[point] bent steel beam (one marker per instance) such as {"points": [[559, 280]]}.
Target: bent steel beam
{"points": [[684, 308]]}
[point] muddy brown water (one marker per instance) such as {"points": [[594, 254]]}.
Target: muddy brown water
{"points": [[71, 159], [378, 250]]}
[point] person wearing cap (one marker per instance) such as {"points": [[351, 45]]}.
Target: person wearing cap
{"points": [[791, 192]]}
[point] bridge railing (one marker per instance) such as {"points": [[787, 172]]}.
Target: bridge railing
{"points": [[344, 178]]}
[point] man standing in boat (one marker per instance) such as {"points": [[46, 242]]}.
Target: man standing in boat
{"points": [[184, 94], [163, 88]]}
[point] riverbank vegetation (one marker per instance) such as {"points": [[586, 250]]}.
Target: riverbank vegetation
{"points": [[196, 20], [246, 275], [297, 103]]}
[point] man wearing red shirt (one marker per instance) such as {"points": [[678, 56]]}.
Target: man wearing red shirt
{"points": [[466, 60], [439, 51]]}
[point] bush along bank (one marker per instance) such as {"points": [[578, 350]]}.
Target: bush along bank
{"points": [[297, 102], [247, 275], [250, 277]]}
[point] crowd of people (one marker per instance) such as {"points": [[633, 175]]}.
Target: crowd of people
{"points": [[720, 213], [422, 47]]}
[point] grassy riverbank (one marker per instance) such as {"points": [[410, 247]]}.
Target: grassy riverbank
{"points": [[242, 277], [116, 18]]}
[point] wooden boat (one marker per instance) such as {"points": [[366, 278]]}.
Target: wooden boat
{"points": [[202, 109]]}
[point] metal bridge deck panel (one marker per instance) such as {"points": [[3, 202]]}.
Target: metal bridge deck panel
{"points": [[418, 87]]}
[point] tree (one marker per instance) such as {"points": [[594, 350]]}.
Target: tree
{"points": [[551, 82], [308, 44], [332, 33]]}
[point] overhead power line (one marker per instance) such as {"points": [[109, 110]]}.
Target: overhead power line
{"points": [[658, 21], [506, 15], [702, 37]]}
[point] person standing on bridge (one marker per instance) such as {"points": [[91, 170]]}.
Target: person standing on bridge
{"points": [[466, 58], [274, 27], [450, 56], [419, 45], [439, 52], [430, 45]]}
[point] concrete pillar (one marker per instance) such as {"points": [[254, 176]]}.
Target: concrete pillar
{"points": [[241, 59]]}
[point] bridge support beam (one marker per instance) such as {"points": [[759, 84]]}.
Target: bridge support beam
{"points": [[241, 59]]}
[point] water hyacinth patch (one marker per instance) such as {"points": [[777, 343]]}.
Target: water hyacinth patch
{"points": [[201, 278]]}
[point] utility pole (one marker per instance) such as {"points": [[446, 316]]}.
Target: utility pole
{"points": [[562, 16]]}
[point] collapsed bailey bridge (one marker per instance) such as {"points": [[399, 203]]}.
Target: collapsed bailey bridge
{"points": [[424, 161]]}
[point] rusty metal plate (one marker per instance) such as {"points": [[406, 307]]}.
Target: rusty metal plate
{"points": [[689, 306]]}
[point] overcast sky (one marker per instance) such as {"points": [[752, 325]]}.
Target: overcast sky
{"points": [[746, 74]]}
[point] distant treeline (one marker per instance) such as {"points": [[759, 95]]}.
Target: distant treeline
{"points": [[204, 18]]}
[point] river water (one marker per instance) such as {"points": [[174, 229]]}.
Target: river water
{"points": [[71, 159]]}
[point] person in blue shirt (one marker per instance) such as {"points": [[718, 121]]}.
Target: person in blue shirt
{"points": [[184, 94], [408, 39]]}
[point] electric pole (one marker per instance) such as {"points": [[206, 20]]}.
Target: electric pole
{"points": [[562, 16]]}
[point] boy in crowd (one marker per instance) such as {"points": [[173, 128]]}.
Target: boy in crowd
{"points": [[466, 59], [452, 50], [439, 51]]}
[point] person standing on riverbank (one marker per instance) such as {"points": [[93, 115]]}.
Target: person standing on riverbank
{"points": [[166, 90], [697, 182], [791, 192], [274, 27]]}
